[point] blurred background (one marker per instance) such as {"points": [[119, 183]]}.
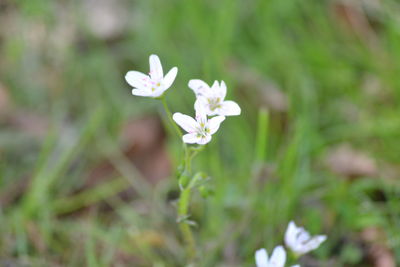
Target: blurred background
{"points": [[87, 171]]}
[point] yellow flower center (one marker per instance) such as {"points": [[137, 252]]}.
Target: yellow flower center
{"points": [[214, 103]]}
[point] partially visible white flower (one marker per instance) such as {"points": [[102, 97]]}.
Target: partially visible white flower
{"points": [[154, 84], [278, 257], [213, 98], [199, 129], [300, 241]]}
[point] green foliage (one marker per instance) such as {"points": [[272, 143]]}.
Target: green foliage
{"points": [[266, 166]]}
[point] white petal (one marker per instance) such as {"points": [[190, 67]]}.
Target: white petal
{"points": [[314, 243], [297, 265], [156, 71], [199, 87], [201, 110], [169, 78], [137, 79], [186, 122], [190, 138], [215, 87], [204, 140], [261, 258], [229, 108], [201, 104], [158, 92], [222, 90], [278, 257], [291, 235], [302, 235], [141, 92], [214, 123]]}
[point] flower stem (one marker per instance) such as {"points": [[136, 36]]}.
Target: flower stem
{"points": [[183, 208], [184, 198], [169, 115]]}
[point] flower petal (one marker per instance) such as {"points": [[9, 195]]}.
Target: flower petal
{"points": [[204, 140], [229, 108], [185, 122], [291, 235], [201, 111], [261, 258], [215, 87], [137, 79], [169, 78], [302, 235], [158, 92], [156, 71], [222, 90], [300, 241], [201, 104], [214, 123], [199, 87], [141, 92], [278, 257], [314, 243], [190, 138]]}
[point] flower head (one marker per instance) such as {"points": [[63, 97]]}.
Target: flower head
{"points": [[278, 257], [212, 99], [199, 129], [154, 84], [300, 241]]}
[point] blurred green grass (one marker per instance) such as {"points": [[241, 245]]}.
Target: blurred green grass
{"points": [[341, 83]]}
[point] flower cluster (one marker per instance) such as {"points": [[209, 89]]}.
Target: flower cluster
{"points": [[297, 239], [211, 108], [210, 101]]}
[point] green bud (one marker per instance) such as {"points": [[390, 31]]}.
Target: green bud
{"points": [[184, 181], [204, 191]]}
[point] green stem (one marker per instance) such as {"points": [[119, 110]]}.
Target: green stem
{"points": [[188, 160], [184, 202], [184, 198], [169, 115], [183, 208]]}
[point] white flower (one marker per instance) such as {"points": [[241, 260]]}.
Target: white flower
{"points": [[154, 84], [213, 98], [300, 241], [199, 130], [278, 258]]}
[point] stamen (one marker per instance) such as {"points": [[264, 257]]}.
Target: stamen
{"points": [[214, 103]]}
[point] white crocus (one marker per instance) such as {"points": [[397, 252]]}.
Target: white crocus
{"points": [[199, 129], [213, 98], [278, 258], [154, 84], [300, 241]]}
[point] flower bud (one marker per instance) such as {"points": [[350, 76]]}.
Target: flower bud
{"points": [[184, 181], [205, 191]]}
